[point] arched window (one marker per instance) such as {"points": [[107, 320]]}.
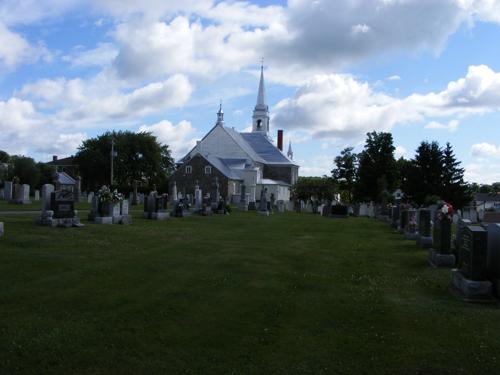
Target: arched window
{"points": [[259, 124]]}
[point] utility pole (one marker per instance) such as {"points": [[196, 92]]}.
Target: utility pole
{"points": [[112, 158]]}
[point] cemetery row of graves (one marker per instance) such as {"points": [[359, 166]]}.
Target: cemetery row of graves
{"points": [[473, 252]]}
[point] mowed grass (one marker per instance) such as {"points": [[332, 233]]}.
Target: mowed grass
{"points": [[239, 294]]}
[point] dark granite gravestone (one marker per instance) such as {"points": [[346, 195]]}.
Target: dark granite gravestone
{"points": [[327, 209], [424, 238], [395, 216], [493, 257], [469, 281], [403, 221], [339, 211], [63, 204], [440, 254], [473, 253], [410, 229]]}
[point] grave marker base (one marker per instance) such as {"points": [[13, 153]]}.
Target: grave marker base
{"points": [[106, 220], [424, 242], [441, 260], [470, 290]]}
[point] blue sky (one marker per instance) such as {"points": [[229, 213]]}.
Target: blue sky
{"points": [[422, 69]]}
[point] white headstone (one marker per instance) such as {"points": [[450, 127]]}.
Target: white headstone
{"points": [[124, 207], [47, 190], [198, 198], [37, 195], [174, 193], [1, 229], [90, 197]]}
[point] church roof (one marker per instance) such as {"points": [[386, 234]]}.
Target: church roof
{"points": [[262, 146]]}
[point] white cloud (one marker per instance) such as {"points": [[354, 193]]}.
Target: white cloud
{"points": [[15, 50], [99, 101], [394, 78], [180, 138], [102, 55], [400, 152], [340, 106], [452, 126], [485, 150]]}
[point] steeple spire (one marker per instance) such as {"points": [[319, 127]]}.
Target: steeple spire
{"points": [[220, 115], [261, 112], [261, 97], [290, 152]]}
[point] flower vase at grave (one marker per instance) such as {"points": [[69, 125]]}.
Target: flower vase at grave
{"points": [[440, 254]]}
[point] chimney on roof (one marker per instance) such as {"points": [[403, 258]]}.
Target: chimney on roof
{"points": [[280, 140], [54, 157]]}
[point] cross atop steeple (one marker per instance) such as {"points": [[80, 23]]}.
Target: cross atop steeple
{"points": [[220, 115]]}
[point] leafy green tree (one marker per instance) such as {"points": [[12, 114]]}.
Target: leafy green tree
{"points": [[314, 187], [453, 188], [4, 157], [25, 169], [139, 157], [376, 161], [346, 170]]}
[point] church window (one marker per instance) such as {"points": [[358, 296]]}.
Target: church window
{"points": [[259, 124], [189, 169], [208, 169]]}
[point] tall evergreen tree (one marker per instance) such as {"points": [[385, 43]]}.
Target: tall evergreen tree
{"points": [[453, 188], [376, 163], [345, 172], [426, 177]]}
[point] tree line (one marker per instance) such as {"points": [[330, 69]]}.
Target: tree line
{"points": [[433, 174]]}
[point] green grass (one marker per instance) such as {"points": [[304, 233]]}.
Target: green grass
{"points": [[239, 294], [34, 206]]}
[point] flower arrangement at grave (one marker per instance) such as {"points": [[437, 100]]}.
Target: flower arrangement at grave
{"points": [[108, 196], [412, 223], [107, 199], [445, 211]]}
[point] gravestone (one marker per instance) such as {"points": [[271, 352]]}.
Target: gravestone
{"points": [[371, 210], [155, 207], [424, 238], [339, 211], [395, 216], [263, 203], [462, 223], [47, 213], [469, 281], [7, 189], [1, 229], [90, 197], [94, 208], [410, 229], [243, 205], [403, 220], [326, 210], [493, 257], [440, 254], [37, 195], [174, 194], [280, 206], [215, 194]]}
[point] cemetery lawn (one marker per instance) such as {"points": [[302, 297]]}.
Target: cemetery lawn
{"points": [[34, 206], [239, 294]]}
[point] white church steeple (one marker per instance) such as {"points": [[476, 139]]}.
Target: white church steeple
{"points": [[260, 116]]}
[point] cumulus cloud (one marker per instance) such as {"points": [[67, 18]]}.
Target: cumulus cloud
{"points": [[339, 106], [452, 126], [15, 50], [77, 100], [180, 138], [485, 150], [400, 152], [102, 55]]}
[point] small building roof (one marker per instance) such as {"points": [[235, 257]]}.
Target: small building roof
{"points": [[65, 179], [69, 161], [486, 197], [267, 181]]}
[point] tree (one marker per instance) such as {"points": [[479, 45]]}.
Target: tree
{"points": [[314, 187], [4, 157], [25, 169], [453, 188], [376, 164], [346, 170], [139, 157], [425, 177]]}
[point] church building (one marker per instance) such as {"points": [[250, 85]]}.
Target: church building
{"points": [[235, 159]]}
